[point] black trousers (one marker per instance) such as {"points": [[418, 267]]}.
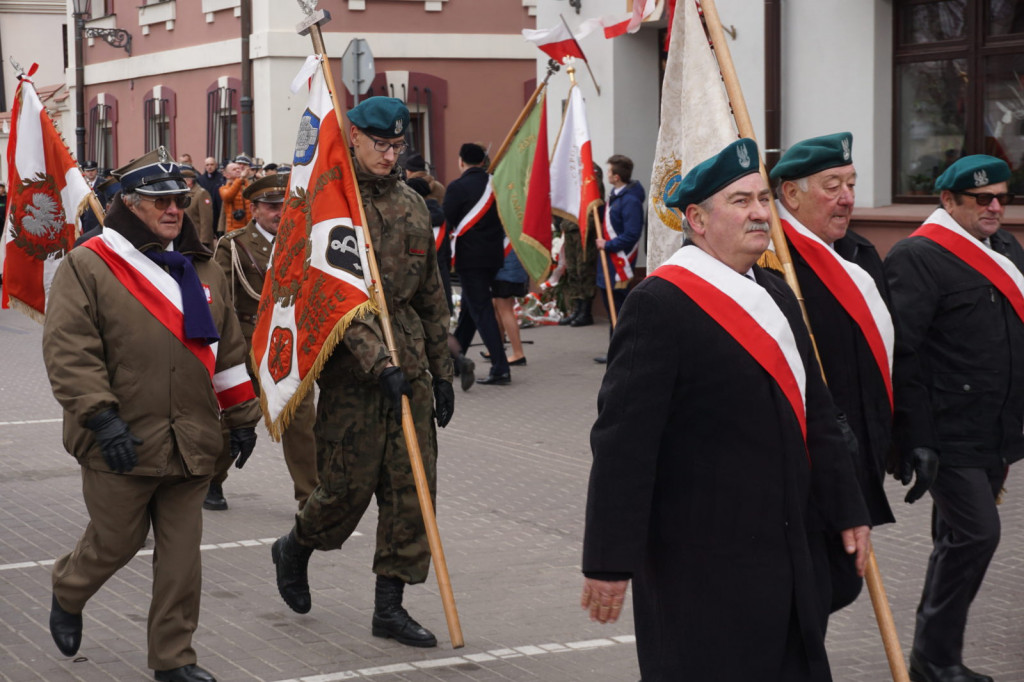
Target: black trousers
{"points": [[965, 534], [477, 314]]}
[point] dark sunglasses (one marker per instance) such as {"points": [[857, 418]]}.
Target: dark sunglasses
{"points": [[161, 203], [985, 198]]}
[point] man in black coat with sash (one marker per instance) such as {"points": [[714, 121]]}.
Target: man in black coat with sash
{"points": [[844, 291], [958, 302], [715, 438], [477, 249]]}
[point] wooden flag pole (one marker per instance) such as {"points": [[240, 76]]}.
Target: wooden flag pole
{"points": [[312, 24], [94, 204], [552, 67], [604, 269], [872, 575]]}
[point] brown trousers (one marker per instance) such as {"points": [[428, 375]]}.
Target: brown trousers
{"points": [[299, 451], [121, 509]]}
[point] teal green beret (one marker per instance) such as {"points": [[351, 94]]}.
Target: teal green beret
{"points": [[708, 177], [973, 171], [381, 116], [813, 156]]}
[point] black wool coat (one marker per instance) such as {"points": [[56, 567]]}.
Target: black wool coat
{"points": [[700, 490], [853, 378], [481, 246]]}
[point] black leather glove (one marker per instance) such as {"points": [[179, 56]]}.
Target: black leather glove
{"points": [[117, 443], [394, 385], [444, 402], [925, 463], [243, 440]]}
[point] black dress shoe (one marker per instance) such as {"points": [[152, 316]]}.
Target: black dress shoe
{"points": [[215, 498], [601, 359], [922, 670], [186, 673], [518, 363], [65, 628], [496, 379]]}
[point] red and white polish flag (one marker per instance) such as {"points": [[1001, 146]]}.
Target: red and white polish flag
{"points": [[46, 194]]}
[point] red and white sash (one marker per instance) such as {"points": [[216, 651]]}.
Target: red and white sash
{"points": [[995, 267], [161, 296], [439, 236], [853, 288], [748, 313], [478, 211], [621, 261]]}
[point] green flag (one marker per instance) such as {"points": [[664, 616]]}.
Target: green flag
{"points": [[522, 190]]}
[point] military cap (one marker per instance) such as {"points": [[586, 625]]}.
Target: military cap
{"points": [[270, 189], [737, 160], [381, 116], [284, 168], [814, 155], [973, 171], [242, 159], [187, 170], [89, 165], [153, 174]]}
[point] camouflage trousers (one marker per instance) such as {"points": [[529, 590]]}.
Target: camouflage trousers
{"points": [[361, 453], [580, 278]]}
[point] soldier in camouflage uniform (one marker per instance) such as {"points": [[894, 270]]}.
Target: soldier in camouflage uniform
{"points": [[579, 282], [244, 255], [360, 447]]}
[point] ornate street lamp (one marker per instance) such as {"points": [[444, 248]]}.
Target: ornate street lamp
{"points": [[115, 37]]}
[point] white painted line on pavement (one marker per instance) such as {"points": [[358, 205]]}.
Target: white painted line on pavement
{"points": [[149, 552], [58, 420], [452, 661]]}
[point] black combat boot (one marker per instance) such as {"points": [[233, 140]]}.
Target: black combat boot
{"points": [[585, 318], [577, 308], [391, 620], [291, 560]]}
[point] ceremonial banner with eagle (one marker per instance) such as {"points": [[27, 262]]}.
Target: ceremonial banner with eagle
{"points": [[46, 194], [317, 280], [696, 123]]}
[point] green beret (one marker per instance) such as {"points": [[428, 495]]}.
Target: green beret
{"points": [[814, 155], [973, 171], [708, 177], [381, 116]]}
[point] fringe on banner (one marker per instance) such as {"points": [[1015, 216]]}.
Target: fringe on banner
{"points": [[278, 427]]}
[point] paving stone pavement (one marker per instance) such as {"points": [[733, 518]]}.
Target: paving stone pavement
{"points": [[512, 481]]}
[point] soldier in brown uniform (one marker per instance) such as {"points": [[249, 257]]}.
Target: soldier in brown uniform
{"points": [[200, 211], [145, 356], [244, 255], [359, 437]]}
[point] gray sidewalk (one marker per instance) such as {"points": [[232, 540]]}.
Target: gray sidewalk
{"points": [[512, 483]]}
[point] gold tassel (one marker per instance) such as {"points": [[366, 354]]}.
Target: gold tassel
{"points": [[770, 261]]}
